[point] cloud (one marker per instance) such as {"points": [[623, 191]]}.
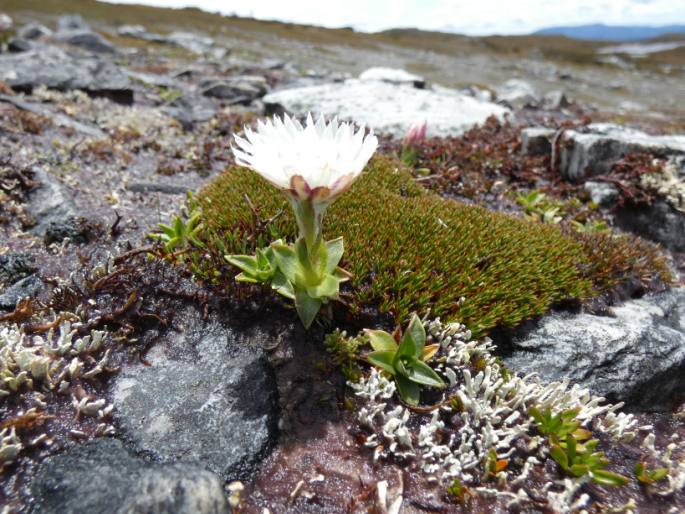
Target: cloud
{"points": [[464, 16]]}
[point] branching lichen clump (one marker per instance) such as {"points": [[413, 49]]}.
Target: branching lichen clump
{"points": [[484, 438], [33, 369], [409, 249]]}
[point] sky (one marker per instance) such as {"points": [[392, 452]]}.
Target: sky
{"points": [[472, 17]]}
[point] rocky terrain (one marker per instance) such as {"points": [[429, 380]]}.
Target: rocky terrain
{"points": [[135, 376]]}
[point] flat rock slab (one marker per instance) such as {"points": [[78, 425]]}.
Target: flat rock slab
{"points": [[101, 477], [55, 68], [637, 356], [595, 150], [389, 108], [207, 396]]}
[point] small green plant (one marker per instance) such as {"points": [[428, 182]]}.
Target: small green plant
{"points": [[581, 459], [558, 426], [345, 352], [578, 458], [180, 233], [537, 206], [647, 476], [493, 465], [590, 226], [406, 361], [458, 491]]}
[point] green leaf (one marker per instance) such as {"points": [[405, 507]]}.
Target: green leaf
{"points": [[335, 252], [307, 307], [408, 390], [414, 338], [282, 285], [579, 470], [327, 288], [421, 373], [242, 277], [604, 477], [658, 474], [287, 261], [381, 341], [247, 263], [382, 359], [559, 456], [571, 449]]}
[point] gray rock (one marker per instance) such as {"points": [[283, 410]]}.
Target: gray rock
{"points": [[190, 109], [26, 287], [209, 396], [54, 68], [71, 22], [71, 227], [101, 477], [594, 151], [193, 42], [536, 140], [33, 31], [658, 221], [637, 356], [517, 93], [139, 32], [555, 100], [152, 187], [393, 76], [17, 45], [91, 41], [57, 118], [16, 265], [388, 107], [50, 203], [241, 89], [601, 193]]}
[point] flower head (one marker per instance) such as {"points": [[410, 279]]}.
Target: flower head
{"points": [[317, 161], [415, 135]]}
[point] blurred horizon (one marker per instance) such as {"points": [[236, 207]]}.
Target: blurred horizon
{"points": [[455, 16]]}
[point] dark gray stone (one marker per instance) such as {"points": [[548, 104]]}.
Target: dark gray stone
{"points": [[190, 109], [658, 221], [235, 90], [26, 287], [50, 203], [152, 187], [71, 22], [16, 265], [101, 477], [537, 140], [555, 100], [18, 45], [72, 227], [55, 68], [91, 41], [33, 31], [637, 356], [208, 396]]}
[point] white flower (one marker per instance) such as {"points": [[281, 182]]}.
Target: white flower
{"points": [[316, 162]]}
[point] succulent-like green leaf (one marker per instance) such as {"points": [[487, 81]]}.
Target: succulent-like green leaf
{"points": [[413, 339], [247, 263], [604, 477], [382, 359], [408, 390], [282, 285], [335, 250], [381, 341], [287, 261], [421, 373], [307, 307], [559, 456]]}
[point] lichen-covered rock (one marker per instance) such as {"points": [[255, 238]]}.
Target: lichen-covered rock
{"points": [[50, 203], [389, 108], [29, 286], [207, 396], [101, 477], [16, 265], [638, 355], [91, 41], [658, 221], [392, 76], [536, 140], [594, 150], [32, 31]]}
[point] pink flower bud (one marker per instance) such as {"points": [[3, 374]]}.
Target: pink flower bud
{"points": [[415, 135]]}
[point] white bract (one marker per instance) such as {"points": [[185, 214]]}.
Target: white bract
{"points": [[317, 161]]}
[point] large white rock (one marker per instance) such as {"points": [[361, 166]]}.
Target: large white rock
{"points": [[389, 108]]}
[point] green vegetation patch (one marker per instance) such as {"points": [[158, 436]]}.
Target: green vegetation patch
{"points": [[409, 249]]}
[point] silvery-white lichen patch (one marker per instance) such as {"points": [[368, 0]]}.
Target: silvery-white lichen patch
{"points": [[668, 183], [38, 369], [484, 415]]}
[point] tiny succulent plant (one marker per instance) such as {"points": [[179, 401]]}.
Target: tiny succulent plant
{"points": [[539, 207], [406, 361], [571, 446], [647, 476], [180, 233]]}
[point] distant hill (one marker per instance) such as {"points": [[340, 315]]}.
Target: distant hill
{"points": [[601, 32]]}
